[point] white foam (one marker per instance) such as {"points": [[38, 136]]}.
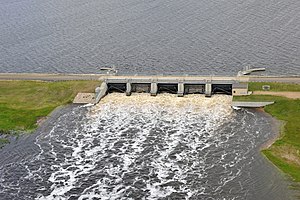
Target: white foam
{"points": [[124, 125]]}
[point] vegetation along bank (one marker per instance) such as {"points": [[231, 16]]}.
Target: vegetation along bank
{"points": [[285, 151], [24, 103]]}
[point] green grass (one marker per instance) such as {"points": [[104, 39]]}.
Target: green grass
{"points": [[285, 152], [258, 98], [22, 103], [284, 109], [289, 111], [275, 87], [291, 169]]}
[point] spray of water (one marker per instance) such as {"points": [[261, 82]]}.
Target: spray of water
{"points": [[143, 147], [140, 146]]}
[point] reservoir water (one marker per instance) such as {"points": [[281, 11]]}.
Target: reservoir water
{"points": [[140, 147], [150, 37]]}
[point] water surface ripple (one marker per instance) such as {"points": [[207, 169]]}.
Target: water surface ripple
{"points": [[151, 37], [144, 148]]}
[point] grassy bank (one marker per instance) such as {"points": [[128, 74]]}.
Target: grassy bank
{"points": [[22, 103], [275, 87], [285, 152]]}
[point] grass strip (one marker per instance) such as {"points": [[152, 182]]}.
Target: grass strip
{"points": [[22, 103], [288, 168], [275, 87]]}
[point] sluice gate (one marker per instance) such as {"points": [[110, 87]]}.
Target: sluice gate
{"points": [[174, 85]]}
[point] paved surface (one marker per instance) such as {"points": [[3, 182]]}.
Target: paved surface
{"points": [[49, 77], [291, 95], [63, 77], [245, 104], [83, 98]]}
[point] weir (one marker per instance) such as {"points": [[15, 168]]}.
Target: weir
{"points": [[175, 85]]}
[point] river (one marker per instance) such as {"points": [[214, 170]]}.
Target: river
{"points": [[142, 147]]}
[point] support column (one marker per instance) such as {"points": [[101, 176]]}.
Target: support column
{"points": [[128, 88], [180, 92], [208, 89], [154, 88]]}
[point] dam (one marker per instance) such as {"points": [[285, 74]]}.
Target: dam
{"points": [[181, 86]]}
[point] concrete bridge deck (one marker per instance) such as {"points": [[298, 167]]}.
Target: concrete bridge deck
{"points": [[171, 79]]}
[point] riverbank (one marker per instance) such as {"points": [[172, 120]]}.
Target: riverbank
{"points": [[25, 104], [285, 151]]}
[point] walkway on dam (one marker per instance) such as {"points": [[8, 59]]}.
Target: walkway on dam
{"points": [[65, 77]]}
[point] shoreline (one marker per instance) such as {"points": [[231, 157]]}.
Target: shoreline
{"points": [[5, 138], [25, 104], [276, 126], [283, 149]]}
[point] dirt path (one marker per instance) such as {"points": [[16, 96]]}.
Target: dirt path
{"points": [[291, 95]]}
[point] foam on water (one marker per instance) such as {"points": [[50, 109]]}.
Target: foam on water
{"points": [[142, 147], [148, 140], [149, 145]]}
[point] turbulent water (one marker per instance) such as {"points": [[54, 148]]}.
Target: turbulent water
{"points": [[205, 37], [139, 147]]}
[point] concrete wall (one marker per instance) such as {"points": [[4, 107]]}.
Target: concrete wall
{"points": [[239, 91]]}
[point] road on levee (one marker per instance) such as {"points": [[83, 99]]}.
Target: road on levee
{"points": [[67, 77]]}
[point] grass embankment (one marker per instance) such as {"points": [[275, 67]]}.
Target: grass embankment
{"points": [[22, 103], [285, 152], [275, 87]]}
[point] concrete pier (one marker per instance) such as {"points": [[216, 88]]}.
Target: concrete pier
{"points": [[208, 89], [154, 88], [128, 88], [248, 71], [245, 104], [180, 92]]}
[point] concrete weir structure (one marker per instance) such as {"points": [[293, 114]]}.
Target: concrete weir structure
{"points": [[167, 84]]}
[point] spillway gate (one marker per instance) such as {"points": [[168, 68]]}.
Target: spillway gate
{"points": [[181, 86]]}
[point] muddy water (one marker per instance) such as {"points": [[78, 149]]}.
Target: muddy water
{"points": [[145, 148]]}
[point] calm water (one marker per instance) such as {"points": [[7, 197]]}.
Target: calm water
{"points": [[145, 148], [151, 37]]}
